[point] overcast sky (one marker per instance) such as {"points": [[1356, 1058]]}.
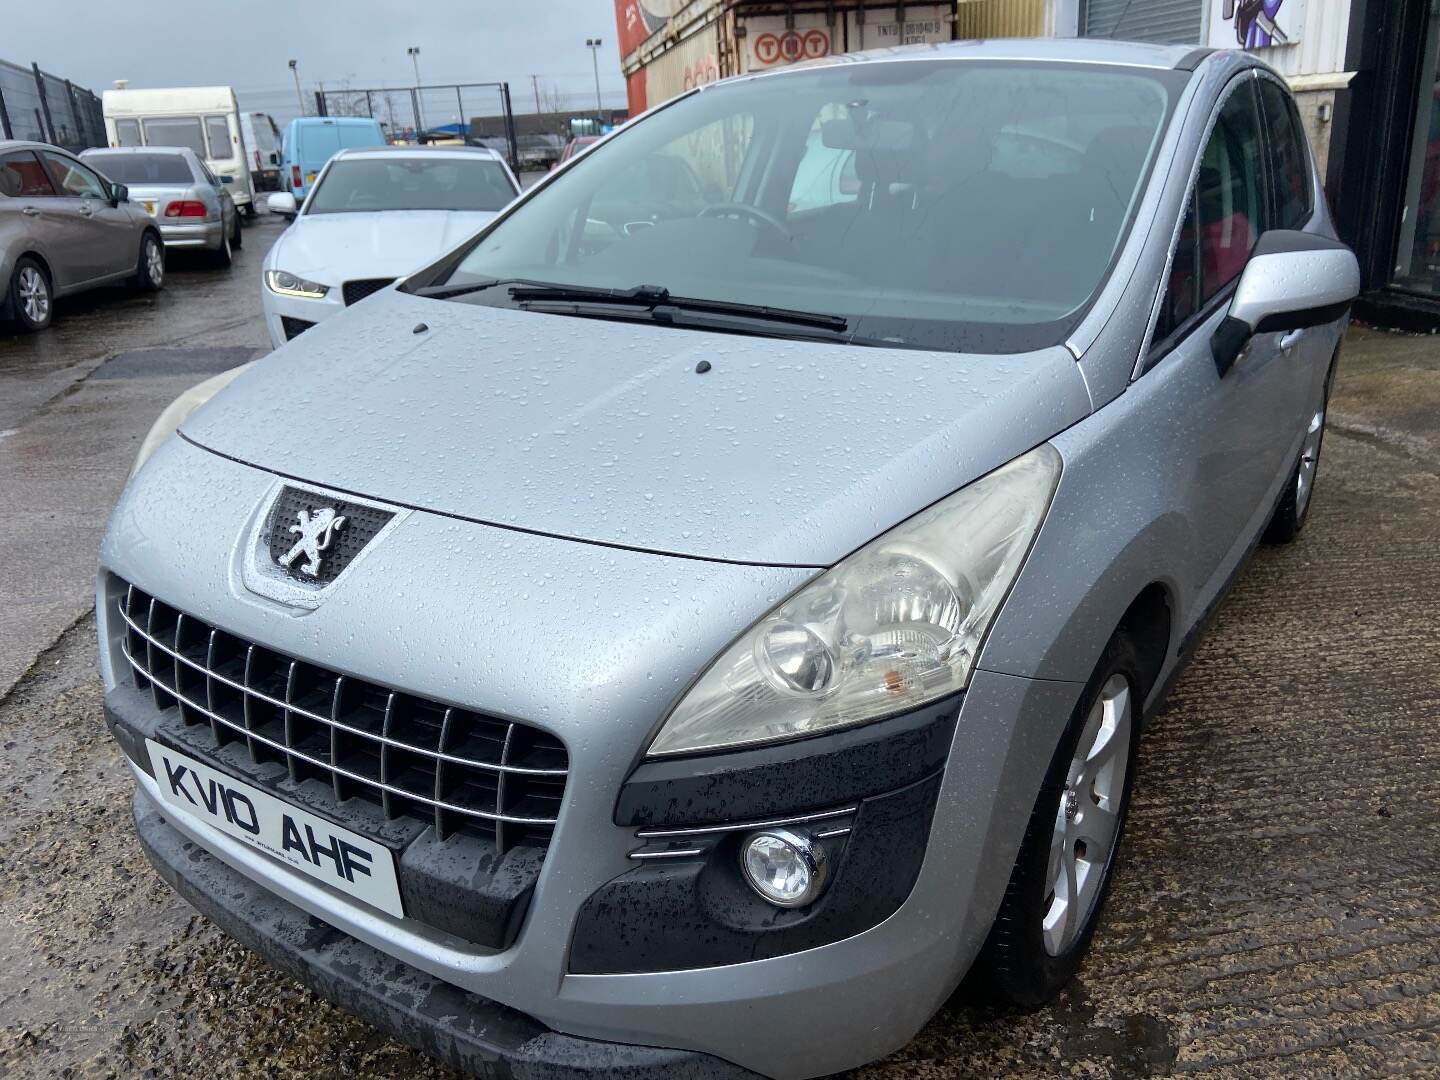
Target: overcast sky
{"points": [[247, 46]]}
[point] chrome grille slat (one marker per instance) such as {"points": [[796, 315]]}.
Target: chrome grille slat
{"points": [[335, 736], [414, 758], [279, 746], [260, 695], [385, 729]]}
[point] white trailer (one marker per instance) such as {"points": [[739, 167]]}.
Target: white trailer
{"points": [[204, 118]]}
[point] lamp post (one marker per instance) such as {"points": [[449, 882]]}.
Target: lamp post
{"points": [[413, 52], [299, 97], [594, 46]]}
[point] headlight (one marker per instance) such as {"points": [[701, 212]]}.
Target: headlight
{"points": [[889, 628], [287, 284], [176, 412]]}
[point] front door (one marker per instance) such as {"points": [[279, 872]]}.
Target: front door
{"points": [[111, 243], [1237, 432]]}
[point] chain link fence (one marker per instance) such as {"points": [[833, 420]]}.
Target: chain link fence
{"points": [[42, 107]]}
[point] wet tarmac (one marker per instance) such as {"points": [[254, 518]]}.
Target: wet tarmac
{"points": [[1276, 911]]}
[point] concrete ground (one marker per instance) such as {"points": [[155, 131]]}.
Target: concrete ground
{"points": [[1277, 909]]}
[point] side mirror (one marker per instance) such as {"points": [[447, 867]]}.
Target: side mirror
{"points": [[119, 193], [1292, 280], [282, 203], [226, 179]]}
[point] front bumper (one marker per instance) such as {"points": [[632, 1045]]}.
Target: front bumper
{"points": [[207, 235], [297, 311], [460, 1029], [806, 1013]]}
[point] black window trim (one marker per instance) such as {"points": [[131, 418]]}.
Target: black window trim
{"points": [[1153, 351]]}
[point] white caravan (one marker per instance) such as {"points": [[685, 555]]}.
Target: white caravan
{"points": [[204, 118]]}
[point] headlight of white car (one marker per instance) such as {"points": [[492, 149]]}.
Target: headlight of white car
{"points": [[175, 413], [288, 284], [891, 627]]}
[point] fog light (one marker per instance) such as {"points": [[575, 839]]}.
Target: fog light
{"points": [[785, 867]]}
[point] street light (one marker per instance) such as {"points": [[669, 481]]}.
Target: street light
{"points": [[299, 97], [594, 46], [413, 52]]}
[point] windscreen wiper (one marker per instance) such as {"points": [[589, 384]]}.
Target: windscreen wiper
{"points": [[660, 300]]}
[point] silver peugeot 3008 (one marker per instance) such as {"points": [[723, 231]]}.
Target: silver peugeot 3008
{"points": [[701, 619]]}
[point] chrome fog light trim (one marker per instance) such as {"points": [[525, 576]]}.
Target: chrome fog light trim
{"points": [[784, 866]]}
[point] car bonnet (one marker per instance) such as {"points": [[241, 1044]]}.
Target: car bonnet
{"points": [[782, 452]]}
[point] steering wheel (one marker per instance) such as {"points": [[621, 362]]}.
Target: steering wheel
{"points": [[754, 213]]}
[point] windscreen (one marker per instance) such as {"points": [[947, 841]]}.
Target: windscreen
{"points": [[175, 131], [411, 183], [141, 169], [939, 204]]}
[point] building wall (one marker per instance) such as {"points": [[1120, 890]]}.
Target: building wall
{"points": [[1000, 18]]}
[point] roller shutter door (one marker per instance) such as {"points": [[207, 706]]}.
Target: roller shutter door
{"points": [[1169, 22]]}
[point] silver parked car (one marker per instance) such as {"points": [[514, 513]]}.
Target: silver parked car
{"points": [[689, 628], [64, 229], [188, 201]]}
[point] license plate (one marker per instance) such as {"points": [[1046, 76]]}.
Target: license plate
{"points": [[149, 205], [340, 858]]}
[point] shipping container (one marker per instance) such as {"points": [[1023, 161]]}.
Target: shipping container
{"points": [[669, 46]]}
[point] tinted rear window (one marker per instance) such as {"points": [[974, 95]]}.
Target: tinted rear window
{"points": [[136, 169]]}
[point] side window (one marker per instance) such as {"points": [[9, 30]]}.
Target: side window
{"points": [[22, 176], [217, 128], [1226, 215], [72, 178], [1289, 162], [127, 132], [1230, 203]]}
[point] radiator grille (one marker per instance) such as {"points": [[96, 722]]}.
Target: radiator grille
{"points": [[359, 289], [463, 771]]}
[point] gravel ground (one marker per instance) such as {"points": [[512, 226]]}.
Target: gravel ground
{"points": [[1275, 911]]}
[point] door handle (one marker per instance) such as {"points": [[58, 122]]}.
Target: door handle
{"points": [[1290, 340], [30, 211]]}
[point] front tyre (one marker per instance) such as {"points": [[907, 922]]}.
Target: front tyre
{"points": [[150, 267], [1066, 860], [29, 298]]}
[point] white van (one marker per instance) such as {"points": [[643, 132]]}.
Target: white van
{"points": [[204, 118], [262, 150]]}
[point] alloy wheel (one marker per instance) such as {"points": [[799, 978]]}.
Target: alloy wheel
{"points": [[1087, 820], [34, 295], [1309, 462], [154, 262]]}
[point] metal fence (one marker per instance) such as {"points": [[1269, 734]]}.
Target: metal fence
{"points": [[46, 108], [419, 113]]}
